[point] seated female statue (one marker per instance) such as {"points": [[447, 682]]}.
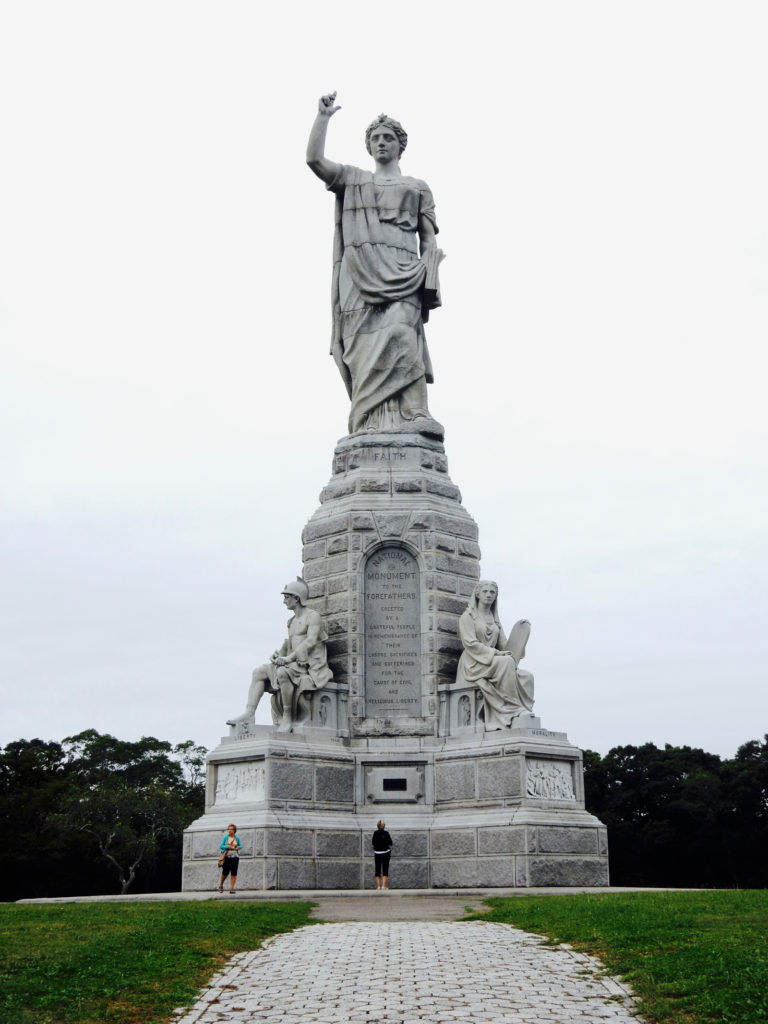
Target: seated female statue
{"points": [[490, 661]]}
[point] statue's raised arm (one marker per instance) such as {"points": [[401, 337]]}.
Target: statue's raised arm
{"points": [[385, 279], [317, 161]]}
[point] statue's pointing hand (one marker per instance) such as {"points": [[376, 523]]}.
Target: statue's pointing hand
{"points": [[326, 106]]}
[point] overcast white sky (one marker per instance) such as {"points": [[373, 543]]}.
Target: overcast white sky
{"points": [[168, 407]]}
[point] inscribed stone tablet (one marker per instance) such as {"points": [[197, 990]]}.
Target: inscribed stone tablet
{"points": [[392, 635]]}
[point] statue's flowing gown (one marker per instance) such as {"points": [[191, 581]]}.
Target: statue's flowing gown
{"points": [[382, 291], [507, 690]]}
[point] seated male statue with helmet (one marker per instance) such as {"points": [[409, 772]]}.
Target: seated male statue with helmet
{"points": [[296, 669]]}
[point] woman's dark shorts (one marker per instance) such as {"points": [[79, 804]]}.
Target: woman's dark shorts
{"points": [[230, 867], [382, 863]]}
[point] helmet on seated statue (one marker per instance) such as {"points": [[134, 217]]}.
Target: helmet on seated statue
{"points": [[298, 589]]}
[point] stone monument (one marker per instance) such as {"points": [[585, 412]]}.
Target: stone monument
{"points": [[396, 693]]}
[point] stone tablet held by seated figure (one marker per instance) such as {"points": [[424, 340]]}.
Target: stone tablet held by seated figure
{"points": [[385, 279], [299, 667], [489, 660]]}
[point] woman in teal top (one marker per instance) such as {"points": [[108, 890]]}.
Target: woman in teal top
{"points": [[230, 847]]}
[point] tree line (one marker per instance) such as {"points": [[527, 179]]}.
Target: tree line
{"points": [[681, 817], [94, 814]]}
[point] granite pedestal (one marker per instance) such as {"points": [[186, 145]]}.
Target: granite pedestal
{"points": [[391, 558]]}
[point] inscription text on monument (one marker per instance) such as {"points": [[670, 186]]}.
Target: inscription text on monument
{"points": [[392, 635]]}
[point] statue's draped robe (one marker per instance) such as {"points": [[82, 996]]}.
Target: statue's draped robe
{"points": [[507, 690], [382, 291]]}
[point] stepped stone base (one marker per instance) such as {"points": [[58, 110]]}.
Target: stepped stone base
{"points": [[494, 811], [391, 559]]}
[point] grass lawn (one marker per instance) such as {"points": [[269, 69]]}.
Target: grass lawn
{"points": [[129, 963], [692, 957]]}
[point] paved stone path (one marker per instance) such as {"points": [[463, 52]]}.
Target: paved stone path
{"points": [[395, 906], [372, 972]]}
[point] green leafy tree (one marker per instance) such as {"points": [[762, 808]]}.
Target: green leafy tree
{"points": [[92, 808], [133, 799], [746, 821], [96, 757], [664, 809], [192, 759], [128, 823], [36, 857]]}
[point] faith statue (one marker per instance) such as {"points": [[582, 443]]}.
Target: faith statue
{"points": [[385, 279]]}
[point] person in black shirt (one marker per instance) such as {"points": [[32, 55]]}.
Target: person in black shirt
{"points": [[382, 847]]}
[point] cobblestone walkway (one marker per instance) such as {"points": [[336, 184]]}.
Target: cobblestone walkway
{"points": [[375, 972]]}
